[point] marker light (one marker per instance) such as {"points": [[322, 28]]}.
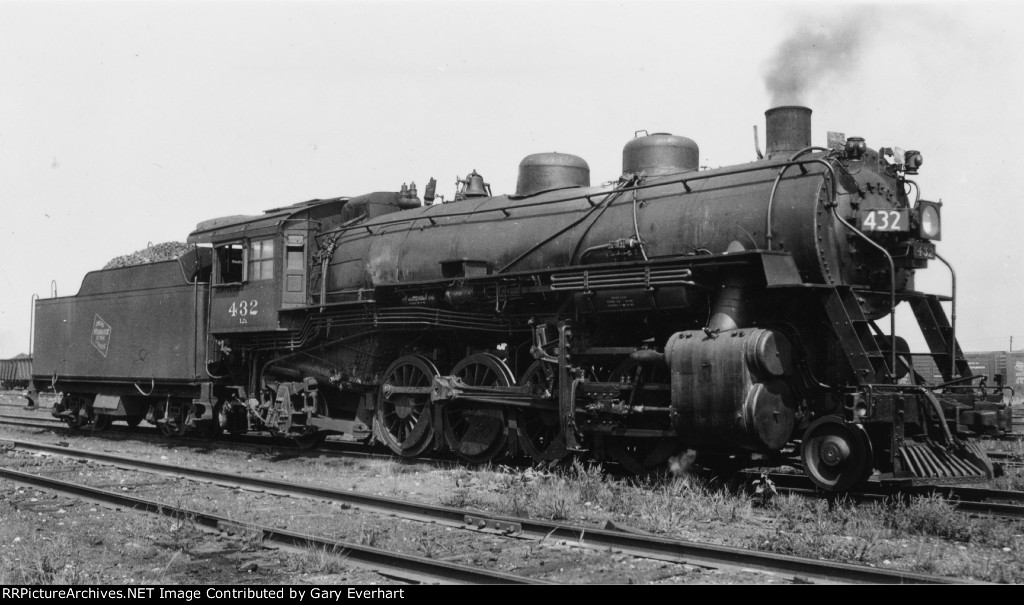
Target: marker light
{"points": [[929, 221]]}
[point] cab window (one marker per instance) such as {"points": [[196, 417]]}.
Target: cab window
{"points": [[230, 264], [261, 260]]}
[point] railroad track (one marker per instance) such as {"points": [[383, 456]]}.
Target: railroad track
{"points": [[629, 543], [30, 422], [1006, 459], [974, 500], [250, 442], [350, 448], [405, 566], [1002, 503]]}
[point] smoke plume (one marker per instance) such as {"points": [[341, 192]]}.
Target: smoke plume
{"points": [[813, 56]]}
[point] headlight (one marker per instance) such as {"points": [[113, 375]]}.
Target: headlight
{"points": [[929, 221]]}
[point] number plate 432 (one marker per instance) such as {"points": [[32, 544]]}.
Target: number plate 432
{"points": [[243, 309], [884, 220]]}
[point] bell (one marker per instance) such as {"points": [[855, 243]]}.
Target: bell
{"points": [[475, 186]]}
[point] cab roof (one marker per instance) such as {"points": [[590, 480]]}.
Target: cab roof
{"points": [[228, 228]]}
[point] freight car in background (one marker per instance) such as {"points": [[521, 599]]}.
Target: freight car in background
{"points": [[1015, 372], [1004, 368], [16, 372]]}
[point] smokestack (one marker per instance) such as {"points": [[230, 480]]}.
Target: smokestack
{"points": [[788, 129]]}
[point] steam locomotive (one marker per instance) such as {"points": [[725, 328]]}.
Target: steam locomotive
{"points": [[734, 312]]}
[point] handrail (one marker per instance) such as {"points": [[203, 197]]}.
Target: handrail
{"points": [[957, 381], [892, 285], [768, 234], [917, 190], [32, 324], [952, 329]]}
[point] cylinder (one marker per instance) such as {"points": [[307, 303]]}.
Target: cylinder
{"points": [[659, 154], [729, 392], [542, 172], [788, 129]]}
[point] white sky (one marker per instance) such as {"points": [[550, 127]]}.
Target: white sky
{"points": [[124, 123]]}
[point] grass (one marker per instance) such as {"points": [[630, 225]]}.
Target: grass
{"points": [[926, 532], [460, 494], [1012, 480], [177, 531], [556, 500], [372, 535], [929, 515], [432, 548], [1013, 477], [516, 492], [584, 489], [43, 562], [921, 533], [590, 480], [322, 560], [394, 468], [665, 502], [820, 529]]}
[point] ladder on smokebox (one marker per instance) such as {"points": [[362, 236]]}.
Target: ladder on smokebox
{"points": [[856, 337], [938, 334]]}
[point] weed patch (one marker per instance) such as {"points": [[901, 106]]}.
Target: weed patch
{"points": [[459, 495], [322, 560], [556, 500], [516, 491], [43, 562], [929, 515]]}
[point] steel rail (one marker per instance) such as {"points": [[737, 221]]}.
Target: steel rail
{"points": [[1005, 458], [1002, 503], [29, 422], [433, 568], [248, 441], [642, 545]]}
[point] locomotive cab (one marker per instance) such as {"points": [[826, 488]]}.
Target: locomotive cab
{"points": [[260, 264]]}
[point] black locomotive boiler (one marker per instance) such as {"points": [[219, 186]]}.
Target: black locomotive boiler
{"points": [[734, 311]]}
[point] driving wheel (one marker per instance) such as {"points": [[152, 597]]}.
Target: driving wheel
{"points": [[403, 417], [477, 432]]}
